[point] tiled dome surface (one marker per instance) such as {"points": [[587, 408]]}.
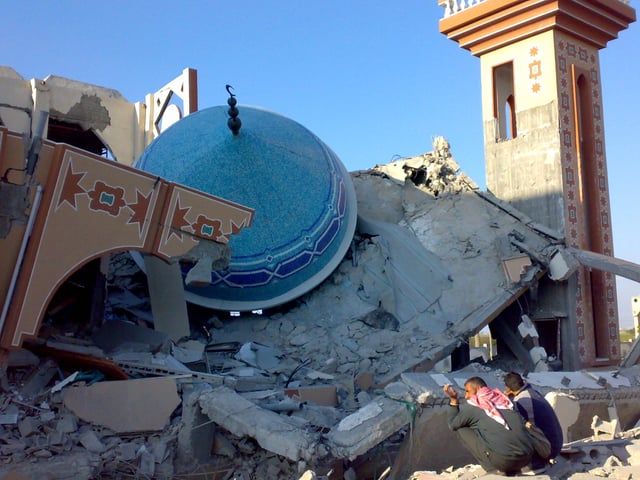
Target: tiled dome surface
{"points": [[304, 201]]}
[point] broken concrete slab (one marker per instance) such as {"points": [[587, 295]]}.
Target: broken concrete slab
{"points": [[191, 351], [196, 430], [276, 433], [127, 451], [66, 423], [28, 426], [258, 355], [359, 432], [121, 335], [418, 276], [166, 292], [146, 466], [124, 406]]}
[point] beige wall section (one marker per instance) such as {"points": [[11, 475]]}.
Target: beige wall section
{"points": [[526, 170], [125, 128], [105, 111], [16, 92], [526, 55]]}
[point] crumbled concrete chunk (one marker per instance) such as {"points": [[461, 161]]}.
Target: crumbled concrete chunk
{"points": [[28, 426], [90, 441], [67, 423]]}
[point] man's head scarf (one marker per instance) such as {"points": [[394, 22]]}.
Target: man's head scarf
{"points": [[491, 401]]}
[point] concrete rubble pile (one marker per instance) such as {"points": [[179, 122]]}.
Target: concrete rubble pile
{"points": [[345, 382], [87, 425]]}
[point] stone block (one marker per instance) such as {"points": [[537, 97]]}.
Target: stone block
{"points": [[539, 359], [91, 442], [28, 426], [127, 451], [47, 416], [526, 328], [67, 423], [55, 438], [367, 427], [398, 391]]}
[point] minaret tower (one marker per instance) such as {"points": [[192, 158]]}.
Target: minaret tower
{"points": [[544, 141]]}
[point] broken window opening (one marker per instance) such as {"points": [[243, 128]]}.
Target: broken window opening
{"points": [[504, 102], [74, 135], [550, 338]]}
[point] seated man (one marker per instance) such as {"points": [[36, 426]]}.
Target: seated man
{"points": [[490, 427], [534, 408]]}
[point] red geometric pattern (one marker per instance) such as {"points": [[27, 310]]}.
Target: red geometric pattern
{"points": [[179, 220], [585, 57], [71, 187], [140, 208]]}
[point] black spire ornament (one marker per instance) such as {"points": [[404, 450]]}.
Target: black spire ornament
{"points": [[234, 122]]}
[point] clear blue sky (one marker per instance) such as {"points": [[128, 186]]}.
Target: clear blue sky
{"points": [[374, 79]]}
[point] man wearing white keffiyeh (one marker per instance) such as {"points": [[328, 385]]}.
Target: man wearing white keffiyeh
{"points": [[489, 427]]}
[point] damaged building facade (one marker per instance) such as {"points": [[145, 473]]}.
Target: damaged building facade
{"points": [[409, 260]]}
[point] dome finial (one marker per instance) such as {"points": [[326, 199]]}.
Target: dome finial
{"points": [[234, 122]]}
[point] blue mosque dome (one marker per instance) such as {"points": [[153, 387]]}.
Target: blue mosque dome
{"points": [[303, 197]]}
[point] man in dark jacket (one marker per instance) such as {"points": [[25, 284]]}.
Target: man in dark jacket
{"points": [[489, 427], [534, 408]]}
